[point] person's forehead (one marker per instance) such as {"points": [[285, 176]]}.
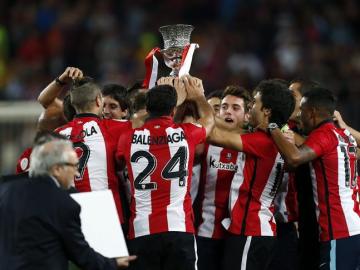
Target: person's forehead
{"points": [[232, 100], [109, 99]]}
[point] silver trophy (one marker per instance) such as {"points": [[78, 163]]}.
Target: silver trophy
{"points": [[175, 37]]}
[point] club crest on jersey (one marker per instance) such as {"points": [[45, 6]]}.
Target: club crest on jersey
{"points": [[151, 140], [222, 166], [228, 156]]}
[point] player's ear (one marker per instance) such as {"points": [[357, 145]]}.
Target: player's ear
{"points": [[99, 100]]}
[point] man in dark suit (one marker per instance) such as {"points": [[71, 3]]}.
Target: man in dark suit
{"points": [[39, 222]]}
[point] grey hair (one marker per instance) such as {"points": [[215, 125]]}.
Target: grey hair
{"points": [[46, 155]]}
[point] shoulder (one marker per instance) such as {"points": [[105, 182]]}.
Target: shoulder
{"points": [[116, 123], [257, 137], [63, 127]]}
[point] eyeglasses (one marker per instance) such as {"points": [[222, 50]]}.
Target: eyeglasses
{"points": [[74, 165]]}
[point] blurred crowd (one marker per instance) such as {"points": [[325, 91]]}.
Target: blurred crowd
{"points": [[241, 42]]}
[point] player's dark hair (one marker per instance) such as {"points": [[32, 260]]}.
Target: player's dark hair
{"points": [[139, 102], [161, 100], [216, 94], [276, 96], [187, 108], [322, 99], [240, 92], [305, 84], [117, 92]]}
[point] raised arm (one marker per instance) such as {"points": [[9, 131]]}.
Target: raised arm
{"points": [[342, 124], [49, 96], [224, 138], [195, 92]]}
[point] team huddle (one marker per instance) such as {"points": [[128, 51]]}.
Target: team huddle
{"points": [[234, 180]]}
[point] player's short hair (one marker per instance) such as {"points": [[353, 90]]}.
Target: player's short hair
{"points": [[322, 99], [139, 102], [83, 94], [187, 108], [161, 100], [240, 92], [117, 92], [215, 94], [305, 84], [276, 96]]}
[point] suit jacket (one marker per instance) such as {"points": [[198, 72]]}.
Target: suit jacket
{"points": [[40, 228]]}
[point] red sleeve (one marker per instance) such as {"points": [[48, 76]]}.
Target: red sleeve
{"points": [[321, 141], [196, 131], [257, 143], [23, 163]]}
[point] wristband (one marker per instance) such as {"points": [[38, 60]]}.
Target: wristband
{"points": [[59, 82]]}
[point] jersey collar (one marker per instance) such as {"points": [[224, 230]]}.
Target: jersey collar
{"points": [[160, 119], [326, 121], [83, 115]]}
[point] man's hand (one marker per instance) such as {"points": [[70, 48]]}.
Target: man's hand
{"points": [[70, 74], [193, 86], [338, 119], [179, 86], [289, 136], [123, 262]]}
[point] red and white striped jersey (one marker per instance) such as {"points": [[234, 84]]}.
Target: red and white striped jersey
{"points": [[334, 179], [217, 171], [252, 195], [286, 206], [95, 141], [159, 157]]}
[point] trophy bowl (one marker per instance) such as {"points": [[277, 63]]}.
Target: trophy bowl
{"points": [[175, 38]]}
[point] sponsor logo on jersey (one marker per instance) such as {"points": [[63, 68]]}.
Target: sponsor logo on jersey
{"points": [[222, 166], [150, 140]]}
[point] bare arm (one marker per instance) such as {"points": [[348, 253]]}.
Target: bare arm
{"points": [[223, 138], [292, 155], [49, 96], [195, 92]]}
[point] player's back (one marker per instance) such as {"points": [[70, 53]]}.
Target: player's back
{"points": [[159, 157], [95, 143]]}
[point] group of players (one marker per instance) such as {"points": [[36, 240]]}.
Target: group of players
{"points": [[266, 180]]}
